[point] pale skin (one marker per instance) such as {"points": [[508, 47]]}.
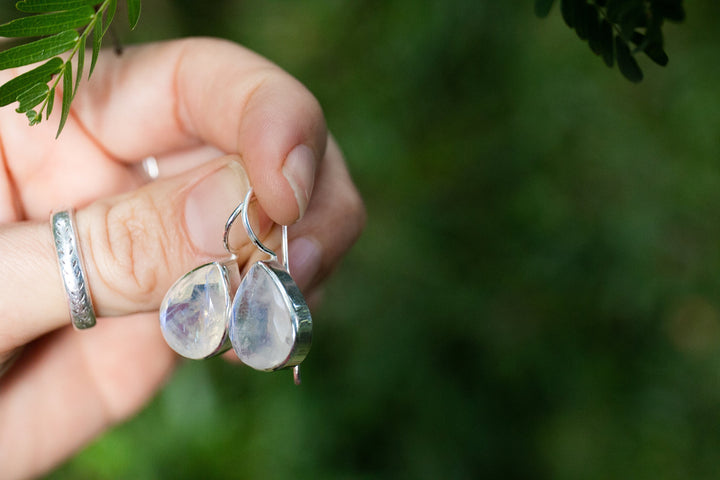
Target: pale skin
{"points": [[218, 118]]}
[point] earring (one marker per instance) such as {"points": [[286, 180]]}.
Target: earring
{"points": [[270, 322], [195, 313]]}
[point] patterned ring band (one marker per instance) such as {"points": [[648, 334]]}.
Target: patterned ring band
{"points": [[72, 269]]}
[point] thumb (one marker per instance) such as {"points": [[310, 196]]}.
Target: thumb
{"points": [[135, 246], [139, 243]]}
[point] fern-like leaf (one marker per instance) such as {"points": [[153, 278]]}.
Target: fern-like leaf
{"points": [[65, 27], [10, 91]]}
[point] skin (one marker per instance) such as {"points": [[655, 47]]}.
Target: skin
{"points": [[189, 103]]}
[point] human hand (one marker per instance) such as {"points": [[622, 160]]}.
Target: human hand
{"points": [[186, 103]]}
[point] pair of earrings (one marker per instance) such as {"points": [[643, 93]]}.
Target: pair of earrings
{"points": [[268, 322]]}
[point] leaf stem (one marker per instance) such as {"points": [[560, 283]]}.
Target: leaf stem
{"points": [[83, 38]]}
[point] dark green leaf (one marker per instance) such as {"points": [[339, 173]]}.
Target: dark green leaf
{"points": [[32, 97], [652, 48], [585, 15], [133, 12], [595, 35], [44, 6], [80, 64], [672, 10], [626, 62], [657, 54], [654, 32], [67, 96], [607, 46], [635, 17], [617, 9], [97, 42], [653, 44], [542, 7], [50, 104], [567, 8], [38, 50], [112, 7], [47, 24], [42, 74]]}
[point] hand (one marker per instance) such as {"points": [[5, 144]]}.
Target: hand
{"points": [[186, 103]]}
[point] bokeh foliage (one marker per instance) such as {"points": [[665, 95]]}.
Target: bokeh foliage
{"points": [[619, 29], [536, 294]]}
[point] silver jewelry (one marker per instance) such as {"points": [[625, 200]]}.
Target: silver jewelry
{"points": [[150, 167], [271, 325], [72, 269], [268, 323], [195, 312]]}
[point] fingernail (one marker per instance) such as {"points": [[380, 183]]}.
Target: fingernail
{"points": [[299, 170], [210, 203], [305, 258]]}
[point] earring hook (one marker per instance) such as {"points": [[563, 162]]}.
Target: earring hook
{"points": [[248, 228], [242, 211], [228, 225]]}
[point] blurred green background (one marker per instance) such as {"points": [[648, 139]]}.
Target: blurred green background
{"points": [[537, 291]]}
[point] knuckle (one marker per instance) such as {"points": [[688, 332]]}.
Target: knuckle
{"points": [[128, 248]]}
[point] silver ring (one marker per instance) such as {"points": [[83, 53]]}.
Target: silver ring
{"points": [[151, 168], [72, 269]]}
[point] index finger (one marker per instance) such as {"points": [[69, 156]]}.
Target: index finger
{"points": [[168, 96]]}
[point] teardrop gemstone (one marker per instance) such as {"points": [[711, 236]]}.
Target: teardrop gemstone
{"points": [[261, 330], [195, 313]]}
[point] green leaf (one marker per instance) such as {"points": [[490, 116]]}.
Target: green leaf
{"points": [[657, 54], [44, 6], [33, 117], [67, 96], [653, 49], [42, 74], [48, 24], [32, 97], [61, 19], [626, 62], [542, 7], [584, 15], [607, 47], [97, 43], [111, 9], [80, 65], [672, 10], [652, 44], [635, 17], [38, 50], [133, 12], [567, 8], [595, 35], [617, 9], [50, 103]]}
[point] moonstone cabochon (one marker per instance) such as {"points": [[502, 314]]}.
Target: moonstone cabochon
{"points": [[195, 313], [270, 326]]}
